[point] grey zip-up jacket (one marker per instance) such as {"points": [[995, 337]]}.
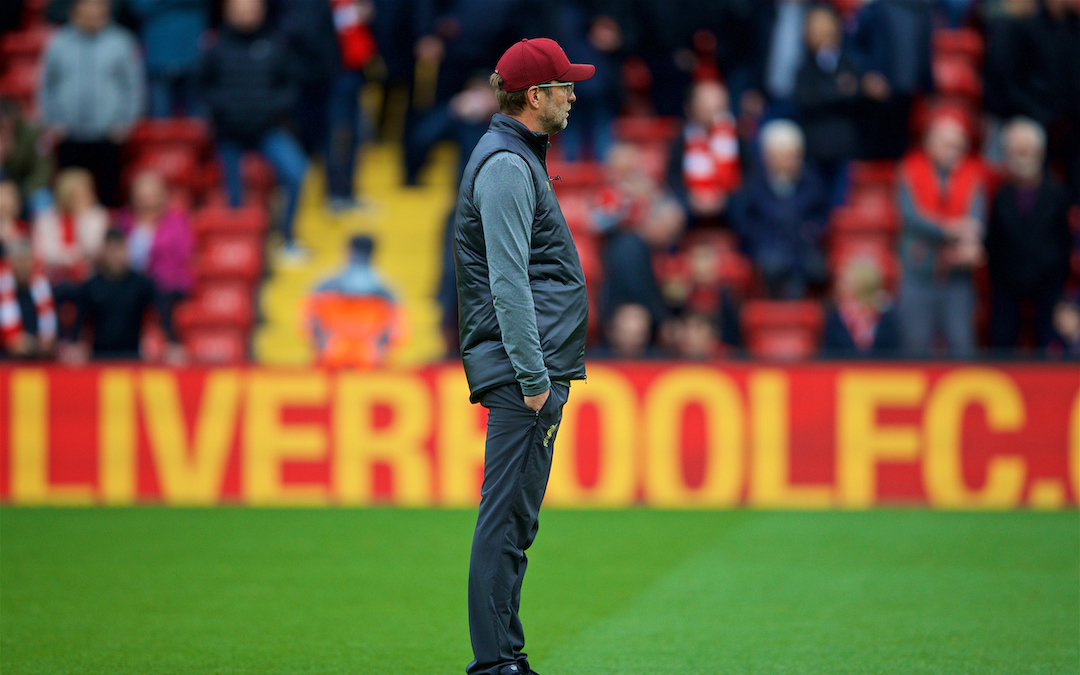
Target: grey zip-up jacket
{"points": [[522, 302], [92, 83]]}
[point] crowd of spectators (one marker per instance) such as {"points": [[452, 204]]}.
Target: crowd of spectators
{"points": [[768, 110]]}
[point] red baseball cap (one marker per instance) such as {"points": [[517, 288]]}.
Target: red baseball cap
{"points": [[537, 61]]}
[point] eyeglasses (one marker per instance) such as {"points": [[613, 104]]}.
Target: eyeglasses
{"points": [[569, 86]]}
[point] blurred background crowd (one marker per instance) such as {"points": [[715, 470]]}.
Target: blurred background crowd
{"points": [[771, 178]]}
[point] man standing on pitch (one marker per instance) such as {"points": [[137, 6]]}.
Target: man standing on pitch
{"points": [[523, 314]]}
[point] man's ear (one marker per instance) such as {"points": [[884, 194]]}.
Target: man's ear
{"points": [[532, 97]]}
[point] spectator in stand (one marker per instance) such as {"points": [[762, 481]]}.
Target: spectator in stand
{"points": [[160, 242], [861, 321], [68, 237], [354, 318], [170, 31], [829, 99], [23, 159], [627, 334], [92, 93], [704, 169], [941, 196], [1027, 239], [633, 220], [1066, 341], [332, 42], [1033, 70], [12, 227], [115, 302], [697, 338], [784, 57], [27, 315], [591, 32], [782, 212], [248, 84], [891, 46], [463, 120]]}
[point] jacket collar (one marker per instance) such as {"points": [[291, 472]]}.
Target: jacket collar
{"points": [[539, 142]]}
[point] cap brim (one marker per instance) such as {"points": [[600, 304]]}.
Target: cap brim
{"points": [[578, 72]]}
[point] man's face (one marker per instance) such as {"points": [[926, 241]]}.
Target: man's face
{"points": [[784, 161], [246, 16], [946, 143], [555, 107], [114, 258], [1023, 154], [90, 16]]}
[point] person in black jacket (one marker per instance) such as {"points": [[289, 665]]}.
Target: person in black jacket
{"points": [[1033, 69], [250, 88], [115, 302], [828, 96], [1027, 239]]}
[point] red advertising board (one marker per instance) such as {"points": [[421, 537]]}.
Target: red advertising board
{"points": [[818, 435]]}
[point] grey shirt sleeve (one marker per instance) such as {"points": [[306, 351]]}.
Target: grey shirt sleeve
{"points": [[506, 197]]}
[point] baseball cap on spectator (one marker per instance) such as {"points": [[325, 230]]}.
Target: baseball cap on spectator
{"points": [[537, 61]]}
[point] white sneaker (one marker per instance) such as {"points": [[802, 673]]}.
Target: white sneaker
{"points": [[293, 254]]}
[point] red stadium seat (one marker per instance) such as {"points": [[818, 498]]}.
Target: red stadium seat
{"points": [[782, 330], [647, 129], [230, 257], [566, 176], [879, 173], [218, 304], [179, 166], [956, 77], [20, 82], [964, 43], [187, 133], [217, 345], [220, 219], [25, 46], [258, 178]]}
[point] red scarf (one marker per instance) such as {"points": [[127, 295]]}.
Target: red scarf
{"points": [[942, 202], [357, 43], [711, 159], [861, 322], [11, 323]]}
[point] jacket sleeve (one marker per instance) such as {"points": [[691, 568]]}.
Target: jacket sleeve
{"points": [[506, 197], [134, 82], [47, 84]]}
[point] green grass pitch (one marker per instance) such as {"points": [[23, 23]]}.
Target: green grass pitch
{"points": [[382, 591]]}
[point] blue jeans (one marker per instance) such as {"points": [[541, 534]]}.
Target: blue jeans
{"points": [[928, 308], [290, 165], [346, 132]]}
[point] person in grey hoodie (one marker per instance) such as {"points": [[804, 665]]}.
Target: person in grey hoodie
{"points": [[91, 93]]}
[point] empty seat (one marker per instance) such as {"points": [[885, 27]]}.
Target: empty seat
{"points": [[188, 133], [20, 82], [25, 46], [783, 330], [220, 219], [647, 129], [218, 304], [956, 77], [229, 257], [965, 43], [877, 173], [217, 345]]}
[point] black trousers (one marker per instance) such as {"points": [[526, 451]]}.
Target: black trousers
{"points": [[101, 158], [517, 462]]}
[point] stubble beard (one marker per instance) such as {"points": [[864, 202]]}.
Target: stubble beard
{"points": [[551, 123]]}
